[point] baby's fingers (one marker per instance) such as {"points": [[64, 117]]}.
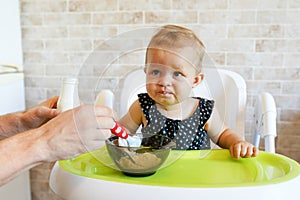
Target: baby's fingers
{"points": [[247, 152], [255, 151], [235, 150], [243, 150], [252, 151]]}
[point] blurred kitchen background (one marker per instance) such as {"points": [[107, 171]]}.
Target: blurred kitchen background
{"points": [[260, 39]]}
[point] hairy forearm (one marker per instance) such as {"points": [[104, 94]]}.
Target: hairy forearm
{"points": [[18, 154], [10, 124]]}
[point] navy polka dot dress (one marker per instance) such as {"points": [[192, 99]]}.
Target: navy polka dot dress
{"points": [[188, 134]]}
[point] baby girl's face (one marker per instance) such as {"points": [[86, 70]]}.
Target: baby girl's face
{"points": [[170, 75]]}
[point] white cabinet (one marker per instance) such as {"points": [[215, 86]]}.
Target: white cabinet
{"points": [[10, 33], [12, 85], [12, 100]]}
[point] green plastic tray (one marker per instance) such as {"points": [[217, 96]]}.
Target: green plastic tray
{"points": [[217, 169]]}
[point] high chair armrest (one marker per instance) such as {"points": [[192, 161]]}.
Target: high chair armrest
{"points": [[265, 121]]}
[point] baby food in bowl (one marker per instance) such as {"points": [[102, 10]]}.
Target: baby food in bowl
{"points": [[140, 161]]}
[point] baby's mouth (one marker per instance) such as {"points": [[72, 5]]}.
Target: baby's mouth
{"points": [[165, 93]]}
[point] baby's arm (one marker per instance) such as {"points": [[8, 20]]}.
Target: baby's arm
{"points": [[133, 118], [237, 146], [227, 138]]}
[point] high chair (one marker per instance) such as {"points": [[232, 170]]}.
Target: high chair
{"points": [[227, 88]]}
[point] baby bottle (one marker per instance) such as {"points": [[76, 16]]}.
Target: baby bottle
{"points": [[68, 97]]}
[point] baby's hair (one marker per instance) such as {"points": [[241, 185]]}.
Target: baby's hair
{"points": [[172, 36]]}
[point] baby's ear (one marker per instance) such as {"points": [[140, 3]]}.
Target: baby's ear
{"points": [[198, 79]]}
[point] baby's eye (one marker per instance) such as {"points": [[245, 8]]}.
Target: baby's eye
{"points": [[178, 74], [155, 72]]}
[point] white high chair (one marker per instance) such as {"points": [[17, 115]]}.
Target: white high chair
{"points": [[227, 88]]}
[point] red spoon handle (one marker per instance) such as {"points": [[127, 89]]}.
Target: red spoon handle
{"points": [[119, 131]]}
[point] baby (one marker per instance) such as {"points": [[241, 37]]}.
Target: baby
{"points": [[173, 68]]}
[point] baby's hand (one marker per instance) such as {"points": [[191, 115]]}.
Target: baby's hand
{"points": [[243, 149]]}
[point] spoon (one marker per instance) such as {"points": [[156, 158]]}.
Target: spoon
{"points": [[124, 138], [106, 98]]}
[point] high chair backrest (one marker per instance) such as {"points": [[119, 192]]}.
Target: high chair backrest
{"points": [[226, 88]]}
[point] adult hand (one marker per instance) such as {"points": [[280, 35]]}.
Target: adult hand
{"points": [[71, 133], [40, 114], [74, 132], [11, 124]]}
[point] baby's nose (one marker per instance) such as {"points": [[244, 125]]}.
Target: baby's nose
{"points": [[165, 80]]}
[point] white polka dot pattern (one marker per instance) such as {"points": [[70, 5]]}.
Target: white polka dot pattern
{"points": [[187, 134]]}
